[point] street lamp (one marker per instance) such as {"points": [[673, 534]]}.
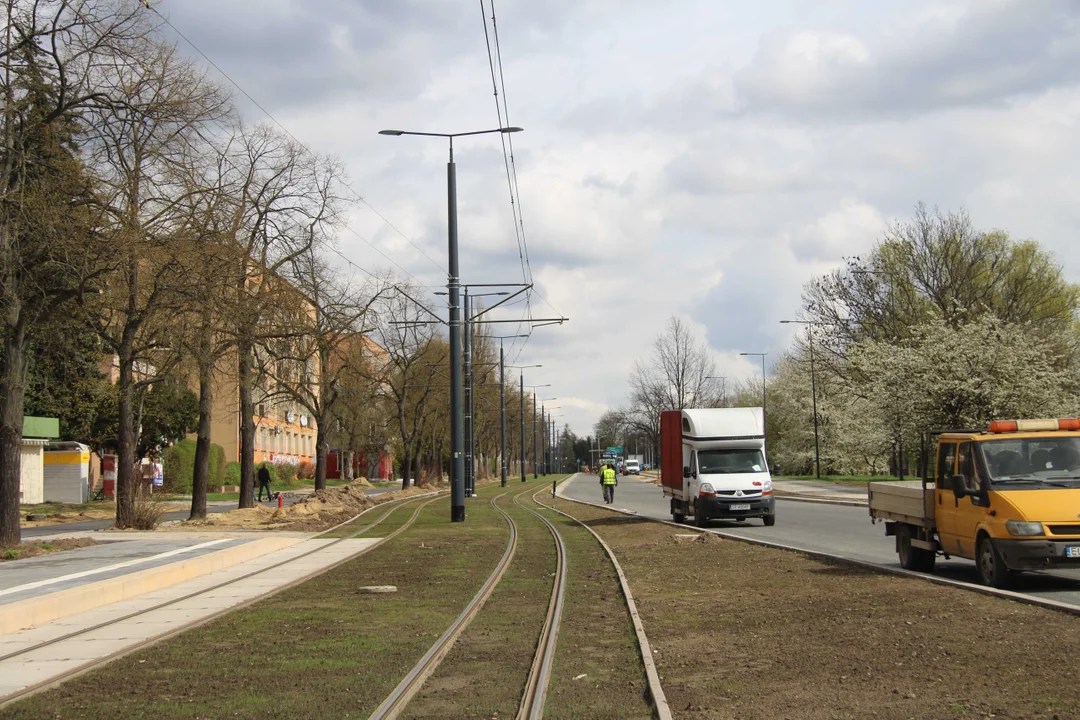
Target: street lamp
{"points": [[470, 404], [533, 388], [763, 413], [543, 433], [457, 436], [502, 403], [813, 389]]}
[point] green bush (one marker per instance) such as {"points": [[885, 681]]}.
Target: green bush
{"points": [[231, 474], [286, 473], [179, 467]]}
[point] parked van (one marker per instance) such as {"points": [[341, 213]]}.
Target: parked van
{"points": [[713, 465]]}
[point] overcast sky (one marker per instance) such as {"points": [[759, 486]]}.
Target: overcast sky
{"points": [[702, 158]]}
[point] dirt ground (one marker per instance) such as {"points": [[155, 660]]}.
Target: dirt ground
{"points": [[59, 513], [319, 511], [741, 631], [33, 549]]}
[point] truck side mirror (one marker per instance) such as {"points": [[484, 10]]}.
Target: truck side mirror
{"points": [[686, 471], [958, 486]]}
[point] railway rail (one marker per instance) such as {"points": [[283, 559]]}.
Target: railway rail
{"points": [[532, 700], [25, 692], [652, 675], [414, 680]]}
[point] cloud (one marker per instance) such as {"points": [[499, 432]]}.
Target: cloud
{"points": [[855, 224], [985, 54]]}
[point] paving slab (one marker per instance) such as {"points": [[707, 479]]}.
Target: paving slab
{"points": [[47, 664]]}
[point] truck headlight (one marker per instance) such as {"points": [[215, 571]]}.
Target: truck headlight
{"points": [[707, 489], [1015, 527], [766, 488]]}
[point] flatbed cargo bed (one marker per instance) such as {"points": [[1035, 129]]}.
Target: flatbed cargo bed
{"points": [[905, 502]]}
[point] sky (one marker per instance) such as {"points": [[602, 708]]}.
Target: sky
{"points": [[697, 158]]}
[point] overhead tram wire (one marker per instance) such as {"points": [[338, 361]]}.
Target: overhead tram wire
{"points": [[506, 159], [284, 129]]}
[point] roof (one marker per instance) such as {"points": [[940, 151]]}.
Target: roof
{"points": [[723, 422]]}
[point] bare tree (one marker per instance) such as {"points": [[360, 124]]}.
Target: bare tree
{"points": [[137, 152], [330, 336], [48, 52]]}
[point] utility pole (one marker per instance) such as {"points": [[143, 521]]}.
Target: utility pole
{"points": [[502, 412], [468, 397], [522, 426], [536, 468], [543, 439]]}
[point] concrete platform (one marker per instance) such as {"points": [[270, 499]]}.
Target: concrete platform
{"points": [[62, 659], [43, 589]]}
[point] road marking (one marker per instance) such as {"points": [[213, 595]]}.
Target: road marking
{"points": [[107, 568]]}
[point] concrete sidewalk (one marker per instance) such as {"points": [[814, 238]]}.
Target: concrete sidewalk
{"points": [[39, 590], [36, 667]]}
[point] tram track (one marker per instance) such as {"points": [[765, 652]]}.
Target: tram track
{"points": [[395, 703], [532, 700], [57, 679], [656, 690]]}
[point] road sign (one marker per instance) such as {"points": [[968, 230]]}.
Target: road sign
{"points": [[614, 450]]}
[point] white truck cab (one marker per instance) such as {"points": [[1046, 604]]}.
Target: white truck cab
{"points": [[713, 465]]}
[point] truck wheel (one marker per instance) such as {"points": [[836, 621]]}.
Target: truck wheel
{"points": [[992, 570], [769, 520], [699, 517], [911, 557], [678, 517]]}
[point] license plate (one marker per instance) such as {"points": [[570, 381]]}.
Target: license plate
{"points": [[746, 506], [1072, 551]]}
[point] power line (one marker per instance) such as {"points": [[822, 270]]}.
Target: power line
{"points": [[284, 129]]}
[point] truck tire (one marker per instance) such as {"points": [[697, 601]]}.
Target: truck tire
{"points": [[699, 518], [992, 570], [769, 520], [678, 517], [912, 558]]}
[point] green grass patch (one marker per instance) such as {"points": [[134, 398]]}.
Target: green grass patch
{"points": [[318, 650]]}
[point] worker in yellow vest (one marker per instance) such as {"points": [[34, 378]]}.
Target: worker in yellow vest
{"points": [[609, 479]]}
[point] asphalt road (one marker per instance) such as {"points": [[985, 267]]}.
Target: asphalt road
{"points": [[836, 529], [174, 515]]}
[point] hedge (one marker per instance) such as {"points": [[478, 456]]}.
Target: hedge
{"points": [[179, 466]]}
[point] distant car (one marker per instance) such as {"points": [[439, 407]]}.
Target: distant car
{"points": [[632, 467]]}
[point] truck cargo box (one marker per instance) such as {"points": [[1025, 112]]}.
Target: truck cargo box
{"points": [[671, 456], [904, 502]]}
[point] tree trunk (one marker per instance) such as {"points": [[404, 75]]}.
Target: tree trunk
{"points": [[406, 466], [322, 447], [419, 475], [125, 450], [347, 465], [11, 426], [200, 477], [245, 380]]}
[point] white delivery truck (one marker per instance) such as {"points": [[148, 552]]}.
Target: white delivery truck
{"points": [[712, 465]]}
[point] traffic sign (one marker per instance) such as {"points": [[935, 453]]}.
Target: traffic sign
{"points": [[614, 450]]}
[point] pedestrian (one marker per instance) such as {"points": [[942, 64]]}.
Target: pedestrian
{"points": [[609, 479], [264, 482]]}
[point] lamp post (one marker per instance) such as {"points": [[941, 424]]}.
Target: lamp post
{"points": [[457, 439], [813, 390], [540, 459], [533, 388], [723, 386], [764, 415], [502, 404], [470, 394]]}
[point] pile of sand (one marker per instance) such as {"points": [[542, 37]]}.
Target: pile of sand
{"points": [[319, 511]]}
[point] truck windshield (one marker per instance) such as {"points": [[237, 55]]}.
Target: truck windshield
{"points": [[727, 462], [1033, 461]]}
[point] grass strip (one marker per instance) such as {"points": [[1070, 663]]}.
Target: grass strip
{"points": [[485, 673], [742, 631], [597, 638], [399, 515], [317, 650]]}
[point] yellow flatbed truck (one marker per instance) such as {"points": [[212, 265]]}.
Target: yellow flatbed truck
{"points": [[1007, 497]]}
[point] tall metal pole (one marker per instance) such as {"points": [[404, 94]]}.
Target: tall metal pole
{"points": [[536, 457], [502, 412], [467, 339], [813, 393], [457, 437], [522, 426], [542, 457], [764, 414]]}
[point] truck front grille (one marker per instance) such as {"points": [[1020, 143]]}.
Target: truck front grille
{"points": [[1065, 529], [731, 493]]}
